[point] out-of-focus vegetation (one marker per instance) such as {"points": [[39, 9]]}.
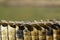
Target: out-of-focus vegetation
{"points": [[29, 13]]}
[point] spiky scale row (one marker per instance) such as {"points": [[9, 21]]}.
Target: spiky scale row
{"points": [[38, 25]]}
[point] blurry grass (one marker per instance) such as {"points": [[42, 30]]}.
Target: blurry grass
{"points": [[29, 13]]}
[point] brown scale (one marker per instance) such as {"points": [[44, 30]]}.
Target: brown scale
{"points": [[50, 31], [4, 24], [36, 31], [29, 29], [18, 24], [26, 34], [12, 31], [20, 33], [43, 32], [57, 32], [12, 25], [17, 31], [56, 35], [52, 26], [4, 30]]}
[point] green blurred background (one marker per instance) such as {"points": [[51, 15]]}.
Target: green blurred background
{"points": [[29, 13]]}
